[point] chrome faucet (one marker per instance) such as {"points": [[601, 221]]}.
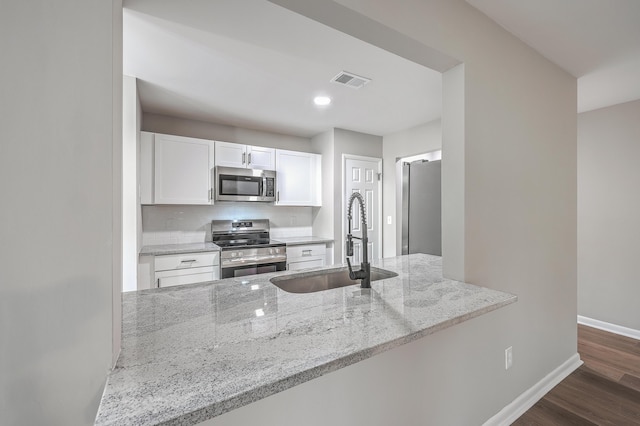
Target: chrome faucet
{"points": [[364, 274]]}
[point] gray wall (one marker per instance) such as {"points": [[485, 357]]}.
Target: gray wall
{"points": [[205, 130], [609, 214], [417, 140], [509, 134], [61, 109]]}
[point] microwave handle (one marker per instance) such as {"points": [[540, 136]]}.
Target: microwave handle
{"points": [[264, 186]]}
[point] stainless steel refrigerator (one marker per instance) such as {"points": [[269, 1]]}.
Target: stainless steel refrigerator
{"points": [[421, 207]]}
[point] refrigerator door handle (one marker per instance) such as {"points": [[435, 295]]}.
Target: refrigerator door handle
{"points": [[406, 171]]}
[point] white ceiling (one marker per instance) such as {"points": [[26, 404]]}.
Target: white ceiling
{"points": [[597, 41], [256, 65]]}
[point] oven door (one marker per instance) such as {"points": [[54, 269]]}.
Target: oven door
{"points": [[250, 261], [244, 270]]}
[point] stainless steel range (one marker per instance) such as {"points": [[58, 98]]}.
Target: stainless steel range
{"points": [[246, 248]]}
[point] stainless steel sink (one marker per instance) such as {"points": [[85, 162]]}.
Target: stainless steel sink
{"points": [[312, 281]]}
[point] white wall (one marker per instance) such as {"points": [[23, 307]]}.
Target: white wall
{"points": [[61, 114], [323, 216], [510, 137], [205, 130], [416, 140], [609, 214], [116, 192], [131, 123], [192, 224]]}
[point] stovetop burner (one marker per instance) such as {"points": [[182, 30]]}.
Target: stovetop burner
{"points": [[246, 233]]}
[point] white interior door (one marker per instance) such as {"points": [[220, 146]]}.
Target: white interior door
{"points": [[361, 175]]}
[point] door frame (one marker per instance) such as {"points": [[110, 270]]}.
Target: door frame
{"points": [[343, 208]]}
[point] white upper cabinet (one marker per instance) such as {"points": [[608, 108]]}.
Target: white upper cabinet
{"points": [[259, 157], [231, 154], [298, 178], [244, 156], [175, 169]]}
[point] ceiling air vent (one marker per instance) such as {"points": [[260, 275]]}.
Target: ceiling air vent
{"points": [[350, 80]]}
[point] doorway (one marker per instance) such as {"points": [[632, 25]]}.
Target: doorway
{"points": [[363, 175]]}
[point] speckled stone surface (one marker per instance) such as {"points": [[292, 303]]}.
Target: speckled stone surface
{"points": [[178, 248], [297, 241], [193, 352]]}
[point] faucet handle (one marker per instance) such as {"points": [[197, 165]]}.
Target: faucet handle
{"points": [[351, 273]]}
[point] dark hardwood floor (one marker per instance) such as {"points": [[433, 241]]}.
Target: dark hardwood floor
{"points": [[605, 390]]}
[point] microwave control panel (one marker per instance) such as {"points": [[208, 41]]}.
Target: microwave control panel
{"points": [[270, 189]]}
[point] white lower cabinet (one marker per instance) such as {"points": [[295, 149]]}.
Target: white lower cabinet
{"points": [[187, 268], [306, 256], [180, 277]]}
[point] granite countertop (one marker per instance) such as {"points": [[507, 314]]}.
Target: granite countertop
{"points": [[193, 352], [161, 249], [296, 241]]}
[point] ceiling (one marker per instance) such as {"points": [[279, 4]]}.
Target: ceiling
{"points": [[597, 41], [256, 65]]}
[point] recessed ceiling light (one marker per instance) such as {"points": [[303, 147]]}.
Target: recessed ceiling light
{"points": [[322, 100]]}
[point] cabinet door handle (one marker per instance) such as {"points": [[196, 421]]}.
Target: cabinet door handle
{"points": [[277, 196], [244, 155], [249, 161], [306, 252]]}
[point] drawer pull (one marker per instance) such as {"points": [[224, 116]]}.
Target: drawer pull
{"points": [[306, 252], [189, 261]]}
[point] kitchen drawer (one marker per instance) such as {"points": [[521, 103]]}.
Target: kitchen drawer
{"points": [[304, 251], [186, 260], [296, 266], [190, 276]]}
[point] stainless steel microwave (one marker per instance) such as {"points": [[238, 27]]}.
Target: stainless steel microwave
{"points": [[235, 184]]}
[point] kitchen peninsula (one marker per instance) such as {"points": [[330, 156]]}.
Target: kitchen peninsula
{"points": [[194, 352]]}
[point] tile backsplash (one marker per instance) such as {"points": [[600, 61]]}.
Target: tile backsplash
{"points": [[192, 224]]}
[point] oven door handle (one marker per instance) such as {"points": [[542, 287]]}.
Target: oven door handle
{"points": [[226, 263]]}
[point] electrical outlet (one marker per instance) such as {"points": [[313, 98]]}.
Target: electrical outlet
{"points": [[508, 357]]}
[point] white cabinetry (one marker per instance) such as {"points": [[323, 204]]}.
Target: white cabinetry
{"points": [[187, 268], [175, 169], [244, 156], [306, 256], [298, 178]]}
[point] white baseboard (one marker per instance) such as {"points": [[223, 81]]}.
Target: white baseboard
{"points": [[528, 398], [607, 326]]}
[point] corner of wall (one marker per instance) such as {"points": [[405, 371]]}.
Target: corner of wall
{"points": [[453, 173]]}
